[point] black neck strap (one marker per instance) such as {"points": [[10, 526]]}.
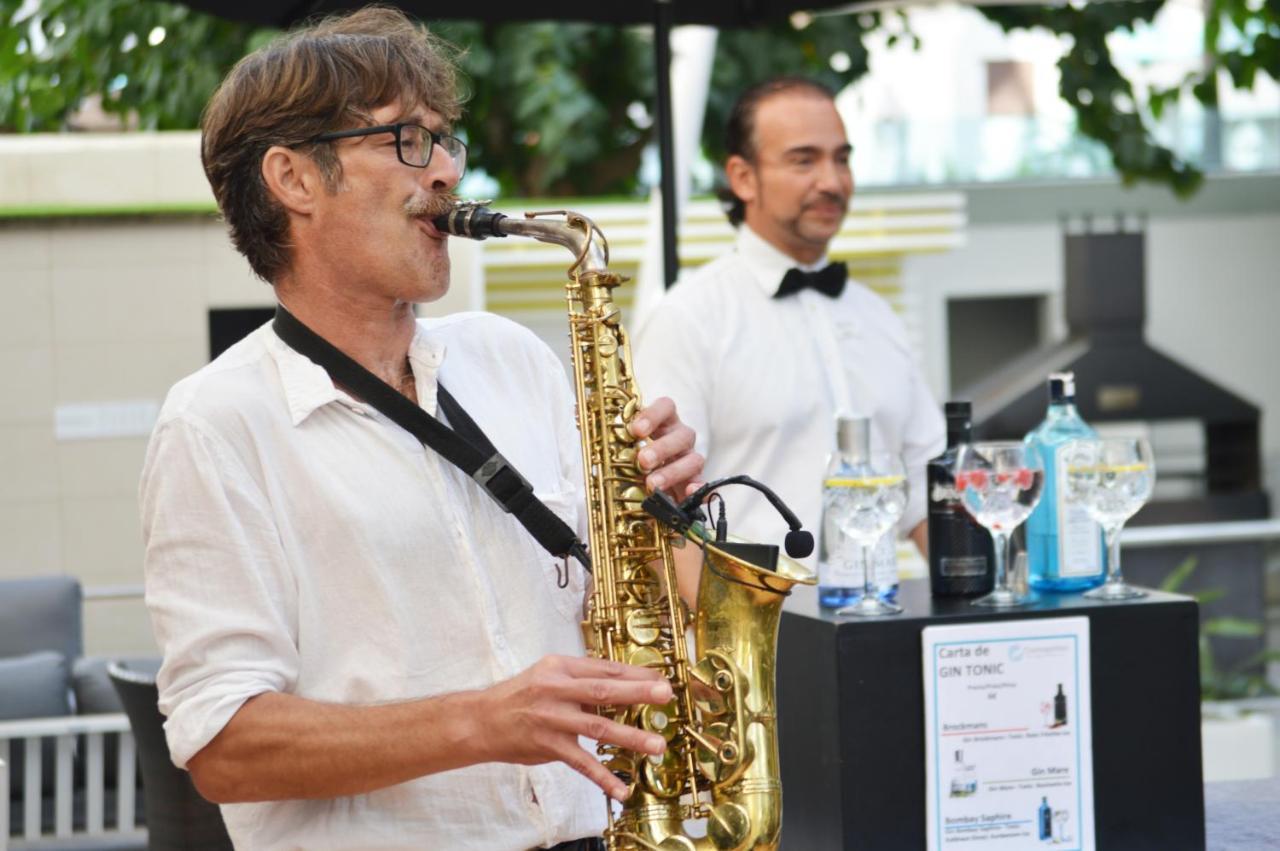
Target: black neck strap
{"points": [[465, 445]]}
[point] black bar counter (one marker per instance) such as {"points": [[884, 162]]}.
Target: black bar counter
{"points": [[852, 724]]}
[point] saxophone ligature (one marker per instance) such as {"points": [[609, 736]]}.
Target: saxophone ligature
{"points": [[720, 767]]}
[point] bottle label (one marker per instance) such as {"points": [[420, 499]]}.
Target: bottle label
{"points": [[839, 571], [1079, 536], [957, 566], [840, 559], [884, 560]]}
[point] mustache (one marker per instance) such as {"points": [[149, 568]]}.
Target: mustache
{"points": [[829, 198], [431, 206]]}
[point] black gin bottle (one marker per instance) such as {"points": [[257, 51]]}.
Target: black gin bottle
{"points": [[961, 558]]}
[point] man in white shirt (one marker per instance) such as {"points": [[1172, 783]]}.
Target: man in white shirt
{"points": [[361, 649], [759, 357]]}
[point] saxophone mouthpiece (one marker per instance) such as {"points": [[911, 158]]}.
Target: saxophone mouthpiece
{"points": [[471, 219]]}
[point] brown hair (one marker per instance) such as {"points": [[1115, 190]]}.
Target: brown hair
{"points": [[740, 129], [328, 75]]}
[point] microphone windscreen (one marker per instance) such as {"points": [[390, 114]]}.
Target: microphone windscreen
{"points": [[798, 543]]}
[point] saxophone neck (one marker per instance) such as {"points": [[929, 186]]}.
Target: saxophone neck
{"points": [[565, 228]]}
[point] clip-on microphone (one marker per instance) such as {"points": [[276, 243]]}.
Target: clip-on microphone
{"points": [[798, 543]]}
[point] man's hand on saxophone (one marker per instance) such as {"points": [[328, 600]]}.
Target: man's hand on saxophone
{"points": [[538, 715], [668, 459], [671, 465]]}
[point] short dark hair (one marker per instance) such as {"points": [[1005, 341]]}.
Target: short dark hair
{"points": [[326, 76], [740, 129]]}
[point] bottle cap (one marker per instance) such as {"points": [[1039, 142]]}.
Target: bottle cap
{"points": [[958, 409], [853, 436], [1062, 386]]}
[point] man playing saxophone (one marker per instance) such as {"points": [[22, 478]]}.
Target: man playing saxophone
{"points": [[361, 649]]}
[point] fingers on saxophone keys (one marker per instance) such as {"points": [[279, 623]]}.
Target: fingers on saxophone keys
{"points": [[607, 668], [591, 768], [655, 415], [591, 692], [601, 729], [685, 468]]}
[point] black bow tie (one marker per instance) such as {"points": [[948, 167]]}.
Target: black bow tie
{"points": [[828, 281]]}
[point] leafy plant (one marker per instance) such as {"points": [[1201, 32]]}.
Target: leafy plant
{"points": [[1244, 679], [563, 108]]}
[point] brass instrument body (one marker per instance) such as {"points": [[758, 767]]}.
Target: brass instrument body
{"points": [[721, 763]]}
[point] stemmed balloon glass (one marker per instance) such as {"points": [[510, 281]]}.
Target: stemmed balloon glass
{"points": [[866, 500], [1060, 831], [1112, 478], [999, 484]]}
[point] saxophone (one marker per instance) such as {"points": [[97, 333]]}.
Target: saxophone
{"points": [[720, 767]]}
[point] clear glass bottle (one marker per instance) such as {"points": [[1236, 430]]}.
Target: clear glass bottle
{"points": [[839, 559], [964, 779], [961, 555], [1064, 544]]}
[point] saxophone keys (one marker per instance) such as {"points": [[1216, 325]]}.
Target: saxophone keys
{"points": [[664, 778], [657, 719], [643, 628], [607, 345], [728, 825], [634, 495], [625, 458]]}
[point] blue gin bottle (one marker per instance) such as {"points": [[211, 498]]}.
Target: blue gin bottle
{"points": [[1064, 544], [840, 580]]}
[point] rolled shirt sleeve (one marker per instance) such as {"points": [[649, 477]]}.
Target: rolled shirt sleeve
{"points": [[220, 594]]}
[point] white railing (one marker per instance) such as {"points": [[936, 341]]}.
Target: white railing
{"points": [[29, 735], [1202, 533]]}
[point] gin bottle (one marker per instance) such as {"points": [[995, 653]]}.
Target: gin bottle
{"points": [[964, 780], [839, 557], [961, 556], [1064, 544]]}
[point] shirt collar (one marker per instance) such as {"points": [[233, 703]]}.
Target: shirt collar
{"points": [[768, 264], [308, 387]]}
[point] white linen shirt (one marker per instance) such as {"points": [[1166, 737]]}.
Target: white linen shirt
{"points": [[298, 541], [752, 375]]}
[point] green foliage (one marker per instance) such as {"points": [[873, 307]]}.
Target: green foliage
{"points": [[746, 57], [1106, 107], [550, 113], [165, 85], [1244, 679]]}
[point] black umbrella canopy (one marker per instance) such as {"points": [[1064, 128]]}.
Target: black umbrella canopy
{"points": [[717, 13], [662, 14]]}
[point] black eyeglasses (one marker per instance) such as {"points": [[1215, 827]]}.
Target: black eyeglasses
{"points": [[414, 143]]}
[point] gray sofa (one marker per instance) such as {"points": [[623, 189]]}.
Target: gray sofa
{"points": [[44, 674]]}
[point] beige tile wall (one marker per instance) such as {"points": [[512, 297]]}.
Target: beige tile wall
{"points": [[106, 310], [97, 311]]}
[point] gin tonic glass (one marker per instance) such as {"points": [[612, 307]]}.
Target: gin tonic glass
{"points": [[866, 500], [1112, 478], [999, 484]]}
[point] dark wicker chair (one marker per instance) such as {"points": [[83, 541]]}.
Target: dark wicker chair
{"points": [[177, 816]]}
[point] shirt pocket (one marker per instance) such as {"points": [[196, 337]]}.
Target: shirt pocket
{"points": [[567, 505]]}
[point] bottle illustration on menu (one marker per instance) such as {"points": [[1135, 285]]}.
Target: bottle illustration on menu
{"points": [[1044, 820], [1059, 708], [964, 778]]}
